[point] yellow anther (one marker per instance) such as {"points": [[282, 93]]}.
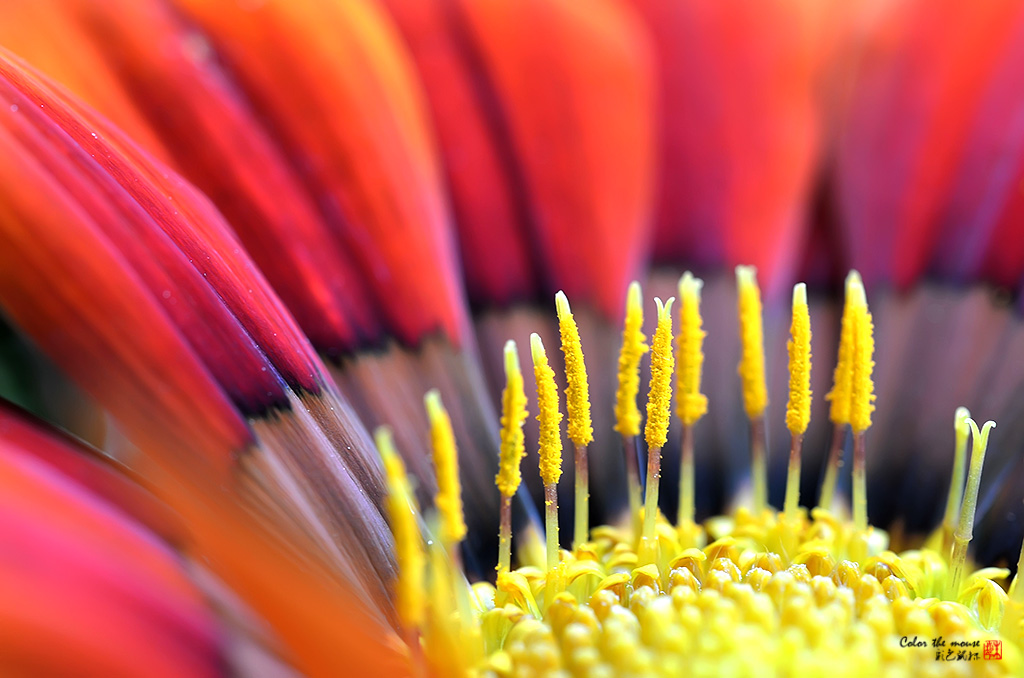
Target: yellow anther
{"points": [[402, 511], [627, 415], [842, 378], [513, 414], [662, 363], [577, 396], [550, 440], [862, 394], [446, 468], [691, 404], [751, 370], [798, 409]]}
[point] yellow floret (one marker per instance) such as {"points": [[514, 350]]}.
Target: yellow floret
{"points": [[627, 414], [446, 468], [550, 440], [513, 414], [402, 511], [577, 395], [798, 409], [691, 404], [662, 363], [751, 369]]}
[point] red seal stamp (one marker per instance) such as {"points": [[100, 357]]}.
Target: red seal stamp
{"points": [[993, 649]]}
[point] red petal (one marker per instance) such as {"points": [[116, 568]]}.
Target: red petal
{"points": [[335, 89], [909, 124], [489, 199], [78, 574], [740, 125]]}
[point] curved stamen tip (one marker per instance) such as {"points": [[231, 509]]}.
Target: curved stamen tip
{"points": [[432, 401], [855, 289], [664, 309], [799, 294], [511, 358], [537, 348], [562, 305]]}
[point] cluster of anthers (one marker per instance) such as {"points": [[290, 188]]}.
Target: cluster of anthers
{"points": [[758, 593]]}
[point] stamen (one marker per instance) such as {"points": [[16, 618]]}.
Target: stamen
{"points": [[691, 404], [659, 400], [862, 399], [446, 467], [965, 528], [956, 483], [410, 602], [627, 414], [577, 405], [549, 443], [513, 449], [751, 371], [798, 409], [842, 387]]}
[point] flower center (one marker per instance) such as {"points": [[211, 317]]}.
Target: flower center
{"points": [[757, 593]]}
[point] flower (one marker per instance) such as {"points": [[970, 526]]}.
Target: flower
{"points": [[246, 326]]}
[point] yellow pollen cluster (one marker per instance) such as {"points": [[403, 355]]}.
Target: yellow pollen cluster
{"points": [[862, 396], [662, 364], [798, 409], [550, 443], [842, 379], [627, 415], [513, 414], [691, 404], [577, 393]]}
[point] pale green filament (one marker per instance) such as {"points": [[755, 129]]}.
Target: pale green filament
{"points": [[965, 528]]}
